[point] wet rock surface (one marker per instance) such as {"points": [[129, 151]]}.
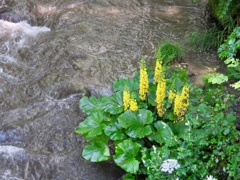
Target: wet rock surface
{"points": [[17, 11], [44, 146], [11, 17]]}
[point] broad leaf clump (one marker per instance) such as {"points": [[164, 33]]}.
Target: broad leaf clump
{"points": [[157, 120]]}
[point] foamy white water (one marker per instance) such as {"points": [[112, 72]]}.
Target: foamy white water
{"points": [[10, 150], [19, 32]]}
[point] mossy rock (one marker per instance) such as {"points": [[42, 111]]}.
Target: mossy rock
{"points": [[213, 8], [232, 11]]}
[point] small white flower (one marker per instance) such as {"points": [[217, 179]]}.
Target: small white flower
{"points": [[211, 178], [169, 165]]}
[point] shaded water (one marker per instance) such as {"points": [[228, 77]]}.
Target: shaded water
{"points": [[63, 49]]}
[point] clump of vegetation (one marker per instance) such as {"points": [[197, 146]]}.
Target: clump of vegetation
{"points": [[226, 38], [163, 127], [228, 51], [226, 12], [170, 51], [207, 39]]}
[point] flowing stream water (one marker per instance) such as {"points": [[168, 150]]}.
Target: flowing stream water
{"points": [[52, 52]]}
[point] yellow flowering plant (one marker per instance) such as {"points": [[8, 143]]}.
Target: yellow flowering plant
{"points": [[134, 116], [147, 113], [143, 82]]}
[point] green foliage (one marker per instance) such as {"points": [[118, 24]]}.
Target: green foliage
{"points": [[136, 123], [207, 39], [229, 50], [153, 160], [128, 177], [169, 51], [236, 85], [126, 153], [132, 130], [163, 133], [223, 8], [93, 125], [226, 12], [225, 36], [201, 143], [97, 150], [208, 147], [217, 78]]}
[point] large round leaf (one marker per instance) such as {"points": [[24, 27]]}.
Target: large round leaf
{"points": [[125, 157], [179, 128], [113, 130], [128, 177], [96, 151], [90, 105], [92, 126], [163, 133], [121, 84], [113, 104], [136, 123]]}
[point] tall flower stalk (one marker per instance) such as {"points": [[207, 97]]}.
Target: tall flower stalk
{"points": [[160, 95], [129, 103], [158, 71], [144, 84], [181, 102], [126, 99]]}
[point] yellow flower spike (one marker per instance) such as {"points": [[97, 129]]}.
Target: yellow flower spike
{"points": [[128, 102], [158, 71], [181, 102], [185, 98], [185, 91], [177, 105], [160, 110], [126, 99], [143, 84], [133, 105], [160, 95]]}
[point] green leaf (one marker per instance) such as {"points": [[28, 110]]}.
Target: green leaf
{"points": [[170, 116], [90, 105], [236, 85], [218, 79], [163, 133], [96, 151], [152, 95], [178, 84], [92, 126], [231, 118], [125, 157], [231, 62], [113, 130], [128, 176], [136, 123], [113, 104], [131, 83], [179, 128]]}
